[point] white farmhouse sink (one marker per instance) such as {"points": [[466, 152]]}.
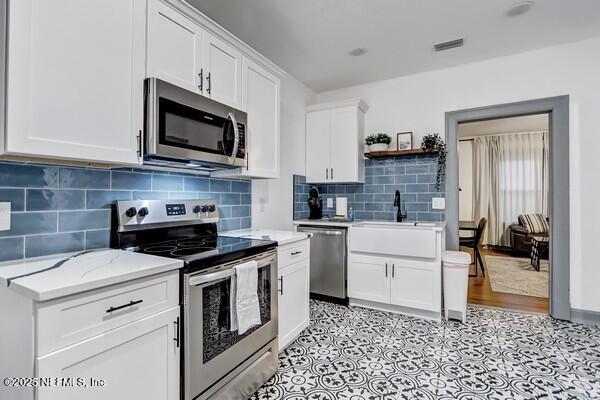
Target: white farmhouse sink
{"points": [[383, 223], [400, 239], [394, 224]]}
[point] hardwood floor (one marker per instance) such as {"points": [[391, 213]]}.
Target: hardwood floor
{"points": [[480, 291]]}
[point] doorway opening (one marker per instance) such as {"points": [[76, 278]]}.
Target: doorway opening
{"points": [[558, 219], [503, 177]]}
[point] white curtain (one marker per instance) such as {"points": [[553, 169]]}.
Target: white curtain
{"points": [[510, 178]]}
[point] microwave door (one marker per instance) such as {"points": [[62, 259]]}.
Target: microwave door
{"points": [[192, 131]]}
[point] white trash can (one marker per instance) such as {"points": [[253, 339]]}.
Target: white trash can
{"points": [[456, 283]]}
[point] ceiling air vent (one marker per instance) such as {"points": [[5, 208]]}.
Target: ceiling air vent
{"points": [[448, 45]]}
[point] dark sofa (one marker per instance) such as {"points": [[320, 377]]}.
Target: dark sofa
{"points": [[520, 239]]}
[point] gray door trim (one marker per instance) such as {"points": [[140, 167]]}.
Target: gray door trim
{"points": [[558, 107]]}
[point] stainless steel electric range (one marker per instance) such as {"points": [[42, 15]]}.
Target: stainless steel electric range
{"points": [[216, 362]]}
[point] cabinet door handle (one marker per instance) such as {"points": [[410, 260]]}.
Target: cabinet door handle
{"points": [[393, 270], [201, 76], [293, 253], [176, 338], [281, 285], [209, 84], [139, 143], [131, 303], [326, 173], [386, 270]]}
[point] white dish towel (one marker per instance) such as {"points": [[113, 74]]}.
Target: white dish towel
{"points": [[244, 306]]}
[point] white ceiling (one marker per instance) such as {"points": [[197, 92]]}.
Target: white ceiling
{"points": [[529, 123], [311, 39]]}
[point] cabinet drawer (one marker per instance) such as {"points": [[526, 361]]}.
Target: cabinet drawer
{"points": [[292, 253], [63, 322]]}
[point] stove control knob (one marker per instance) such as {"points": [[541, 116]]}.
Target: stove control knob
{"points": [[143, 211], [212, 208], [131, 212], [196, 209], [204, 209]]}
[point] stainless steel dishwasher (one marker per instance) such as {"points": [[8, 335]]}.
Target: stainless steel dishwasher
{"points": [[328, 262]]}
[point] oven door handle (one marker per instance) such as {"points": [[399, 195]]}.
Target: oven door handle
{"points": [[236, 140], [215, 276]]}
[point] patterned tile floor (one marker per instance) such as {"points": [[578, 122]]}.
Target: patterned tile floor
{"points": [[361, 354]]}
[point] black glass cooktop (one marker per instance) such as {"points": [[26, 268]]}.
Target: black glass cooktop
{"points": [[199, 252]]}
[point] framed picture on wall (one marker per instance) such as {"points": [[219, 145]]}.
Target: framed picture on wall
{"points": [[405, 141]]}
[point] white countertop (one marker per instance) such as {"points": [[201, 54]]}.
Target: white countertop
{"points": [[436, 226], [82, 273], [280, 236]]}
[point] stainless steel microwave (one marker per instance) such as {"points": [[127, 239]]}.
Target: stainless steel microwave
{"points": [[186, 130]]}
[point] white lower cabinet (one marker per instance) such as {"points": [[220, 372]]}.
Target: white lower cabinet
{"points": [[293, 284], [368, 278], [117, 342], [395, 284], [415, 284], [139, 360]]}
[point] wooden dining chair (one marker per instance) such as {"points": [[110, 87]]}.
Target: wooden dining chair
{"points": [[475, 244]]}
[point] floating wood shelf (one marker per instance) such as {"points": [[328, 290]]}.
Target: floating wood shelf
{"points": [[396, 153]]}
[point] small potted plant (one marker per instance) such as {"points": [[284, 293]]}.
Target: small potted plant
{"points": [[378, 141], [436, 144]]}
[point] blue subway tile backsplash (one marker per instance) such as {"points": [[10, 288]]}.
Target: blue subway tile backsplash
{"points": [[11, 248], [42, 245], [56, 209], [25, 175], [31, 223], [413, 176], [81, 178], [55, 199], [16, 197], [97, 239]]}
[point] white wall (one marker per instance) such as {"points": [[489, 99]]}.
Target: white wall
{"points": [[272, 198], [418, 102]]}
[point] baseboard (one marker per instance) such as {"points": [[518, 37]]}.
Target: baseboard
{"points": [[329, 299], [432, 315], [585, 317]]}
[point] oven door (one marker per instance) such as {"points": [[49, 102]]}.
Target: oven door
{"points": [[184, 125], [211, 350]]}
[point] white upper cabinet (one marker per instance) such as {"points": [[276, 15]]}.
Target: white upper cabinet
{"points": [[347, 135], [223, 72], [318, 146], [175, 47], [261, 102], [261, 99], [182, 52], [334, 142], [75, 76]]}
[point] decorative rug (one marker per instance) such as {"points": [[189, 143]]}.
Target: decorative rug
{"points": [[517, 276]]}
